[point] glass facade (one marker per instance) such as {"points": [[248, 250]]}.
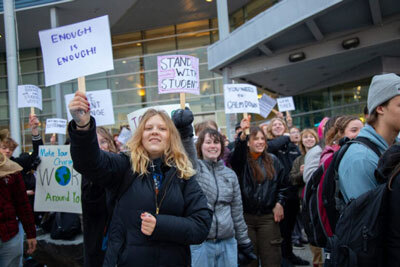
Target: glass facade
{"points": [[133, 82]]}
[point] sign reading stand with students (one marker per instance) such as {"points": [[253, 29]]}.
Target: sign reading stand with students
{"points": [[58, 185], [29, 96], [178, 74], [76, 50], [241, 98], [101, 107], [56, 126]]}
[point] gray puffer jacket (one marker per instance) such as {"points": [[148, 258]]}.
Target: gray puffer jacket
{"points": [[221, 187]]}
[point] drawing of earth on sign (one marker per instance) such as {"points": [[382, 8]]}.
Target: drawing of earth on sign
{"points": [[63, 175]]}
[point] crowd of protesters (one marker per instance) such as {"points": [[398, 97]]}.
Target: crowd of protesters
{"points": [[175, 195]]}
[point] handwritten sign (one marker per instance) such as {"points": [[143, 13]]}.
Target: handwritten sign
{"points": [[241, 98], [76, 50], [101, 107], [29, 96], [124, 135], [57, 126], [285, 104], [266, 105], [178, 74], [135, 117], [58, 185]]}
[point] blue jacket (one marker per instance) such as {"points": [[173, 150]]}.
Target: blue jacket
{"points": [[357, 167]]}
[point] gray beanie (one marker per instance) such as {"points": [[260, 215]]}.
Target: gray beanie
{"points": [[383, 87]]}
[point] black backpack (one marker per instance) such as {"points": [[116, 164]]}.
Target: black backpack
{"points": [[65, 226], [359, 233], [322, 201]]}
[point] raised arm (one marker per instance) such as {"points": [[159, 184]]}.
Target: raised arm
{"points": [[277, 143]]}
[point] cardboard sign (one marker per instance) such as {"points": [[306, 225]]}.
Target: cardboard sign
{"points": [[285, 104], [29, 96], [241, 98], [178, 74], [266, 105], [57, 126], [76, 50], [135, 117], [124, 135], [58, 185], [101, 107]]}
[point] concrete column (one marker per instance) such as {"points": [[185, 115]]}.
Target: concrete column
{"points": [[12, 72], [223, 29], [57, 87]]}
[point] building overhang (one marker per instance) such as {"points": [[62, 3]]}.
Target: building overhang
{"points": [[328, 42]]}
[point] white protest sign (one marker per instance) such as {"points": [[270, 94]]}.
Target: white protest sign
{"points": [[76, 50], [57, 126], [285, 104], [178, 74], [266, 105], [29, 96], [58, 185], [241, 98], [135, 117], [101, 107], [124, 135]]}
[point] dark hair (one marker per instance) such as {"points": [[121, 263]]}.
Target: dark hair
{"points": [[266, 159], [373, 117], [215, 135], [198, 127], [365, 111]]}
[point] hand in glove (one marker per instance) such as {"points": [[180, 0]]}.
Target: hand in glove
{"points": [[183, 119], [246, 254]]}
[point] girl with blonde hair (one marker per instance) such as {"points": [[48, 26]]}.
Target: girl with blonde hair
{"points": [[160, 209]]}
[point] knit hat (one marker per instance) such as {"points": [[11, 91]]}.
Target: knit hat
{"points": [[383, 88]]}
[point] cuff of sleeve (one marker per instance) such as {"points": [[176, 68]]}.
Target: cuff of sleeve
{"points": [[36, 137]]}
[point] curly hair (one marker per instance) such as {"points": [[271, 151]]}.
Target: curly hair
{"points": [[270, 135], [174, 155]]}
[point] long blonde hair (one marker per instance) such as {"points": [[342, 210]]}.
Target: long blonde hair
{"points": [[174, 155], [270, 135]]}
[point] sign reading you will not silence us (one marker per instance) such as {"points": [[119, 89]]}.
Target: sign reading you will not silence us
{"points": [[76, 50], [241, 98], [178, 74], [58, 185]]}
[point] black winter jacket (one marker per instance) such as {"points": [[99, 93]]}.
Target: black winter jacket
{"points": [[286, 152], [183, 218], [257, 198]]}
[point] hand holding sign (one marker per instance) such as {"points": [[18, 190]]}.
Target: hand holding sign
{"points": [[34, 124], [245, 125], [79, 108]]}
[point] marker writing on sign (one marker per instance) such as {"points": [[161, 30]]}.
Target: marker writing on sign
{"points": [[77, 55], [55, 38]]}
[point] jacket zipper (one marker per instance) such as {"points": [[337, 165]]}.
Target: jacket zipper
{"points": [[216, 200]]}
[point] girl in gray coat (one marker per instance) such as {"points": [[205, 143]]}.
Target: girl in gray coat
{"points": [[228, 232]]}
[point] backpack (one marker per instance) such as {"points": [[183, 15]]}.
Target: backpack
{"points": [[359, 233], [65, 226], [322, 200]]}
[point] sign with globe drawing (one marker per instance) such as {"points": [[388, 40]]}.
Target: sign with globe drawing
{"points": [[58, 185]]}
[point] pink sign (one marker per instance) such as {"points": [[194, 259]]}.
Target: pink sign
{"points": [[178, 74]]}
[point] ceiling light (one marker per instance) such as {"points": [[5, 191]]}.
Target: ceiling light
{"points": [[209, 1], [351, 43], [297, 57]]}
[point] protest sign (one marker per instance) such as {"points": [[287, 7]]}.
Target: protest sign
{"points": [[266, 105], [124, 135], [241, 98], [135, 117], [56, 126], [29, 96], [101, 107], [285, 104], [76, 50], [58, 185], [178, 74]]}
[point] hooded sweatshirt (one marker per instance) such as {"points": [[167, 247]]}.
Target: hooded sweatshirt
{"points": [[357, 167]]}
